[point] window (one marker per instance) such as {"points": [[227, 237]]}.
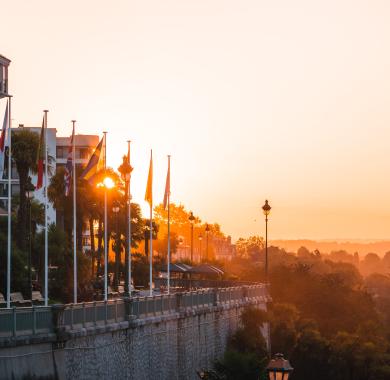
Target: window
{"points": [[60, 152]]}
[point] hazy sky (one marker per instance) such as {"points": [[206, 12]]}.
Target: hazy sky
{"points": [[285, 100]]}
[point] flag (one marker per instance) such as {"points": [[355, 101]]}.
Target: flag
{"points": [[149, 186], [40, 156], [95, 163], [69, 166], [167, 186], [3, 137]]}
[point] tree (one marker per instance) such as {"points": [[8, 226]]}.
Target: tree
{"points": [[311, 356], [284, 319], [371, 264], [246, 355], [155, 228], [162, 244], [19, 272], [250, 247], [24, 153]]}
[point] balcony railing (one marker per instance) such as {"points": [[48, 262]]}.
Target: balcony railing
{"points": [[26, 321], [4, 87]]}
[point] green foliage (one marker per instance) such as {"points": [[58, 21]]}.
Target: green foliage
{"points": [[19, 273], [246, 354], [310, 357], [140, 266], [61, 267], [324, 318]]}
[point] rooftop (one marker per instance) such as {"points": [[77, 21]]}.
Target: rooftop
{"points": [[4, 60], [80, 140]]}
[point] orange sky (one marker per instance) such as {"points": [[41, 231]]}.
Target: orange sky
{"points": [[253, 99]]}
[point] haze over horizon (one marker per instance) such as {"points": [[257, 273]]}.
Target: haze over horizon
{"points": [[253, 100]]}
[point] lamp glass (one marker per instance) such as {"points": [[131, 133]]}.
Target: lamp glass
{"points": [[277, 374], [108, 183]]}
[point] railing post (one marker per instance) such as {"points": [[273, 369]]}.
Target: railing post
{"points": [[105, 312], [116, 310], [71, 316], [58, 312], [179, 297], [83, 314], [128, 307], [216, 297], [34, 320], [13, 321], [94, 313]]}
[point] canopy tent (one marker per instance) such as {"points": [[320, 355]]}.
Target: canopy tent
{"points": [[206, 269]]}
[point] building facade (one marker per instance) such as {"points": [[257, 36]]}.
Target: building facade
{"points": [[57, 153]]}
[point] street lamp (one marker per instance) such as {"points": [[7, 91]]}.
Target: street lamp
{"points": [[207, 230], [146, 238], [125, 169], [115, 210], [191, 218], [107, 184], [279, 368], [266, 210], [200, 237], [29, 195]]}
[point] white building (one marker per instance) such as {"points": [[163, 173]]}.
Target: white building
{"points": [[57, 153], [4, 63]]}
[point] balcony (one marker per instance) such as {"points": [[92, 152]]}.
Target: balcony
{"points": [[4, 87]]}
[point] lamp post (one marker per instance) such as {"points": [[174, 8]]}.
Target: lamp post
{"points": [[191, 218], [207, 230], [146, 238], [115, 210], [125, 169], [107, 184], [266, 210], [29, 195], [200, 237], [279, 368]]}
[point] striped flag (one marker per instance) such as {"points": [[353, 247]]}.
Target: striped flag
{"points": [[3, 137], [41, 156], [69, 166], [95, 163]]}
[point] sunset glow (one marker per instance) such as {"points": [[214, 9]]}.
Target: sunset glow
{"points": [[254, 100]]}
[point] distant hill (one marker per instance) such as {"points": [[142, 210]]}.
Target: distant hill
{"points": [[361, 246]]}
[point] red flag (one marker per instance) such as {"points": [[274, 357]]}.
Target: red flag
{"points": [[40, 156], [3, 137]]}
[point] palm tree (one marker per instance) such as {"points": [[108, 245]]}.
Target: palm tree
{"points": [[24, 153]]}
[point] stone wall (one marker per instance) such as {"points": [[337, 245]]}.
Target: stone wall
{"points": [[171, 346]]}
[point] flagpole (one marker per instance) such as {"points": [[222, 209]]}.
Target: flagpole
{"points": [[46, 296], [9, 206], [74, 215], [129, 227], [151, 238], [169, 227], [105, 221]]}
